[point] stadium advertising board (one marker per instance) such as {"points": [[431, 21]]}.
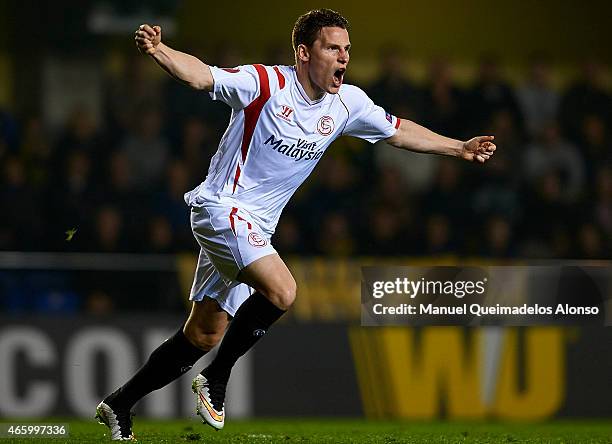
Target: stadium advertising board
{"points": [[62, 367]]}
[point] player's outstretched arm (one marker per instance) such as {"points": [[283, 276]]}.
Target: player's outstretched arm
{"points": [[183, 67], [414, 137]]}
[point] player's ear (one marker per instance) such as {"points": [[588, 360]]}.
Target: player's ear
{"points": [[303, 53]]}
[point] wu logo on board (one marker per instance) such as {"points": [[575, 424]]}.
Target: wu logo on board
{"points": [[509, 374]]}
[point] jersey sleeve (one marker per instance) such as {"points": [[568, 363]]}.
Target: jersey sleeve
{"points": [[237, 87], [367, 120]]}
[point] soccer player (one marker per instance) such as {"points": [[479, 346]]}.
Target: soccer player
{"points": [[283, 119]]}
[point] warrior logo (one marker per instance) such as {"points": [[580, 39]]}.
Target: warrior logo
{"points": [[285, 113]]}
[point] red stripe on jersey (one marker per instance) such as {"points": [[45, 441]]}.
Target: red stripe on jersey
{"points": [[231, 218], [281, 77], [397, 123], [251, 112], [236, 178]]}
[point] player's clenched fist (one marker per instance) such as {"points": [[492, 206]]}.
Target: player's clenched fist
{"points": [[479, 148], [147, 38]]}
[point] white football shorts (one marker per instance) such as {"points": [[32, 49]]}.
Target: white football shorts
{"points": [[229, 241]]}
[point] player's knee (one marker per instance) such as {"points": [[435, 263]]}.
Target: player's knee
{"points": [[284, 295], [202, 338], [207, 341]]}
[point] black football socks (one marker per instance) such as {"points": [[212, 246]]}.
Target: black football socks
{"points": [[171, 359], [251, 322]]}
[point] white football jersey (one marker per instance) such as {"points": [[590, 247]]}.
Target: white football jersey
{"points": [[276, 136]]}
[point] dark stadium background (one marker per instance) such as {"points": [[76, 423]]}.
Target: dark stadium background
{"points": [[96, 138]]}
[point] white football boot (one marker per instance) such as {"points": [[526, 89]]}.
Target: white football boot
{"points": [[119, 422], [210, 402]]}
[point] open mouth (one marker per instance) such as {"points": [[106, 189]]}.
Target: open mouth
{"points": [[338, 76]]}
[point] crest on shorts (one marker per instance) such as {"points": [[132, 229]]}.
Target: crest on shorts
{"points": [[257, 240]]}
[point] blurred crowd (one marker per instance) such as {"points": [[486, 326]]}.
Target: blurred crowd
{"points": [[119, 180]]}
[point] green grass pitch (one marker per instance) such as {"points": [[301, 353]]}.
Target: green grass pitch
{"points": [[340, 431]]}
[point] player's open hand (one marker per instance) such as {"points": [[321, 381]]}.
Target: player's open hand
{"points": [[479, 148], [147, 38]]}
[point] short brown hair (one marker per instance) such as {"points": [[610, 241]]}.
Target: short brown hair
{"points": [[308, 26]]}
